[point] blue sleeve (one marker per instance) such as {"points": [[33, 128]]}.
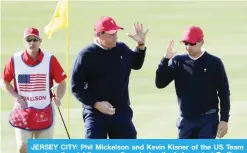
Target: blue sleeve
{"points": [[137, 57], [79, 77], [222, 86], [165, 72]]}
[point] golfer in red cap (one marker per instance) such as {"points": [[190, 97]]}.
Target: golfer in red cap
{"points": [[33, 72], [100, 80], [201, 85]]}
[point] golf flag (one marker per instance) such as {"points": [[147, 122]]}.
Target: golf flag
{"points": [[59, 19]]}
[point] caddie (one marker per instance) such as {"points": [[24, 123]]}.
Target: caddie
{"points": [[33, 72]]}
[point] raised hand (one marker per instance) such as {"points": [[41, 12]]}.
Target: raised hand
{"points": [[169, 51], [139, 36]]}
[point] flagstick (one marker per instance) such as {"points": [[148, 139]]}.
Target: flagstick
{"points": [[60, 19], [67, 66]]}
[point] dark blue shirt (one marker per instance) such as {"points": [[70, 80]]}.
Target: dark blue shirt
{"points": [[199, 84], [103, 75]]}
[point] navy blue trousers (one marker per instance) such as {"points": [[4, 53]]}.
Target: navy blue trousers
{"points": [[205, 127], [102, 126]]}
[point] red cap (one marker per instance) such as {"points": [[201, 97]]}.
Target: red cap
{"points": [[31, 32], [106, 24], [193, 34]]}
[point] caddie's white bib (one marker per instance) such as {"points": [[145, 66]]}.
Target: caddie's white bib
{"points": [[33, 82]]}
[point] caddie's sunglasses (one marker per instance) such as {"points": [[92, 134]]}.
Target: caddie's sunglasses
{"points": [[34, 40]]}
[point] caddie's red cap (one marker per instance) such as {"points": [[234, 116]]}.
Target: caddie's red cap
{"points": [[107, 24], [31, 32], [193, 34]]}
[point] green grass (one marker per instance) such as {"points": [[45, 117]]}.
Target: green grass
{"points": [[155, 111]]}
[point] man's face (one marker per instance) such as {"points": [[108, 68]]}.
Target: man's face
{"points": [[193, 48], [108, 40], [32, 42]]}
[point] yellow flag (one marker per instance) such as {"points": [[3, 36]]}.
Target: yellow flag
{"points": [[59, 19]]}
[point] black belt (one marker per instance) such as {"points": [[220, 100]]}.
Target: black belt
{"points": [[211, 111]]}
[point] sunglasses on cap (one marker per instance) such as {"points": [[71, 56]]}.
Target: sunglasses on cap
{"points": [[32, 39]]}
